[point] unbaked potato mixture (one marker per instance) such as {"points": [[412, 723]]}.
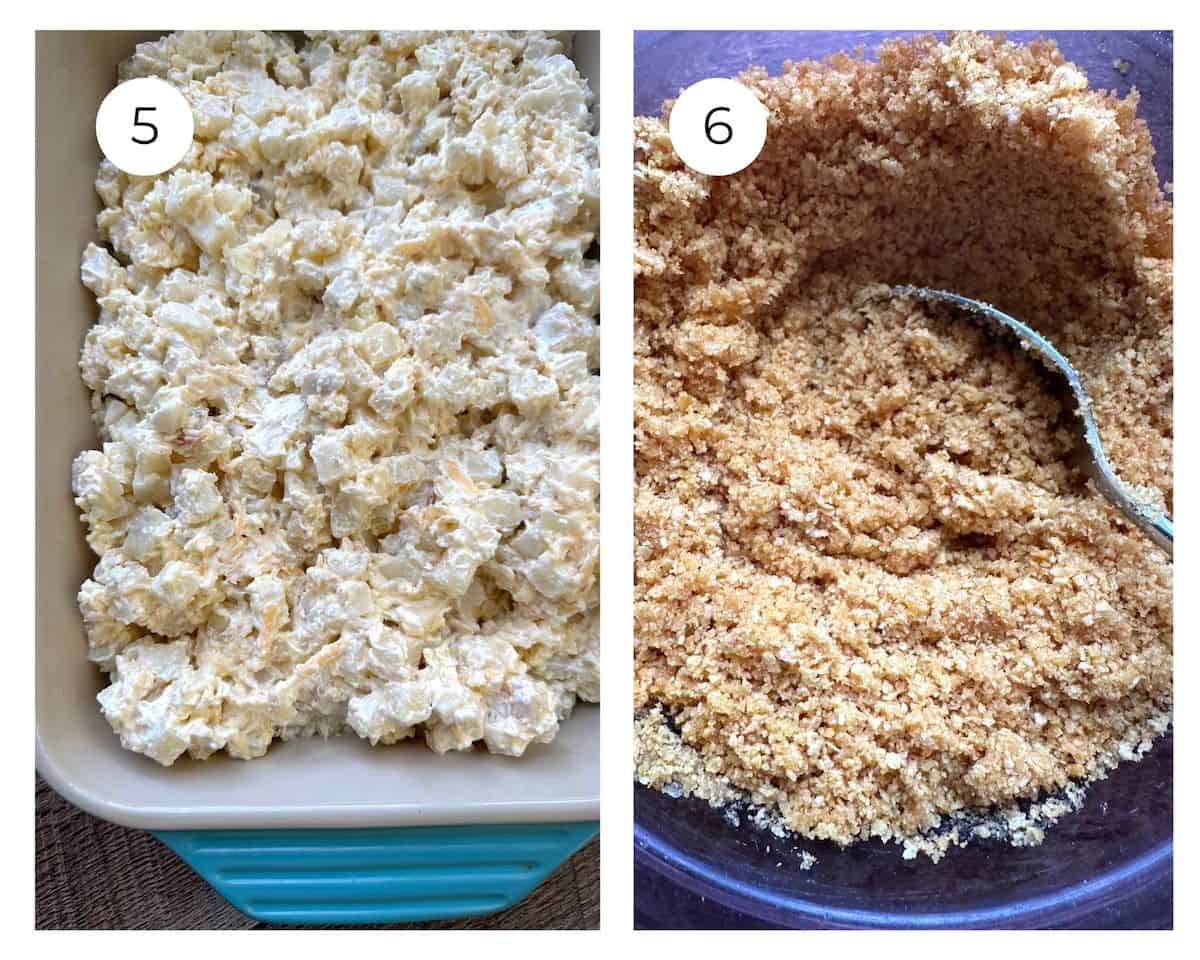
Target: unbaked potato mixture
{"points": [[345, 380], [872, 590]]}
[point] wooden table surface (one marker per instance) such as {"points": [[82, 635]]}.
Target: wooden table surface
{"points": [[92, 874]]}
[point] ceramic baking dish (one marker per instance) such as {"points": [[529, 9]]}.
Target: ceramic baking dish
{"points": [[316, 831]]}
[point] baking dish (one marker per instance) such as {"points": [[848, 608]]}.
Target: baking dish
{"points": [[1108, 865], [315, 831]]}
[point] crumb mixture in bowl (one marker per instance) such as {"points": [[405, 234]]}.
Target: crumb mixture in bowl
{"points": [[872, 589]]}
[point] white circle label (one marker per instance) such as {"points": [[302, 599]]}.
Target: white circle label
{"points": [[718, 126], [144, 126]]}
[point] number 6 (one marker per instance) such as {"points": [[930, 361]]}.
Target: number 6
{"points": [[139, 122], [710, 125]]}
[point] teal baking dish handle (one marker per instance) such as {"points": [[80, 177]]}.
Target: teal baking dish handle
{"points": [[379, 875]]}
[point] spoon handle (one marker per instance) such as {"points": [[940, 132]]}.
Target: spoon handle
{"points": [[1154, 523], [1159, 528], [1151, 521]]}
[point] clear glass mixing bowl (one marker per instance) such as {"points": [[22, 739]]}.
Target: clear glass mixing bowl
{"points": [[1109, 865]]}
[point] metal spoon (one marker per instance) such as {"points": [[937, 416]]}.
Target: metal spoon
{"points": [[1149, 519]]}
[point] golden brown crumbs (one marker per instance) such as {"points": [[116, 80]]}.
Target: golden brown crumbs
{"points": [[871, 593]]}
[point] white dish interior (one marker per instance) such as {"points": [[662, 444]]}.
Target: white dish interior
{"points": [[341, 782]]}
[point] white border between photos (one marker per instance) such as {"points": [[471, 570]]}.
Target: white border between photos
{"points": [[616, 19]]}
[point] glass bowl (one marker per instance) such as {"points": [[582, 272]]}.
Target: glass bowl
{"points": [[1109, 865]]}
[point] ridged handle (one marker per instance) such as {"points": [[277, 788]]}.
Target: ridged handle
{"points": [[385, 875]]}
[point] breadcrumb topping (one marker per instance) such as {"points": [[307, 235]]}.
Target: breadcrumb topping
{"points": [[872, 592]]}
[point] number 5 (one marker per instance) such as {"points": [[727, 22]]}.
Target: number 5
{"points": [[139, 122], [710, 125]]}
